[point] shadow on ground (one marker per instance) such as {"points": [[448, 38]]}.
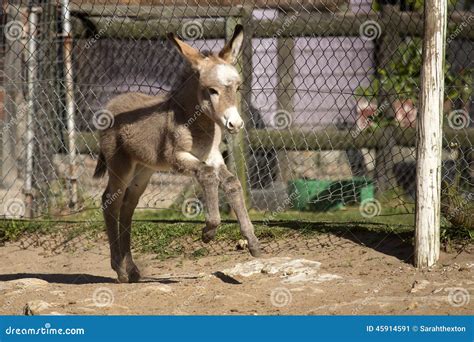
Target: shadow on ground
{"points": [[397, 243], [60, 278], [78, 278]]}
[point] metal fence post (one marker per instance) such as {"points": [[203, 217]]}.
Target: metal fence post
{"points": [[32, 65], [14, 104], [69, 87], [429, 136]]}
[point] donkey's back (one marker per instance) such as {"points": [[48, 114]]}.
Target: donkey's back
{"points": [[139, 130], [132, 101]]}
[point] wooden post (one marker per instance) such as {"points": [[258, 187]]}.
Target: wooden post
{"points": [[429, 136], [239, 144], [285, 91]]}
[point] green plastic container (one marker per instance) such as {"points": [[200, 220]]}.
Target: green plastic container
{"points": [[301, 191], [324, 195]]}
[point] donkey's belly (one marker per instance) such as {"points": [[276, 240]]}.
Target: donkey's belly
{"points": [[160, 167], [152, 162]]}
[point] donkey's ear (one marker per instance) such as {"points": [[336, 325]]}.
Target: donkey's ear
{"points": [[191, 54], [232, 49]]}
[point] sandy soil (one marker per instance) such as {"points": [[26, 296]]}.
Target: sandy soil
{"points": [[353, 278]]}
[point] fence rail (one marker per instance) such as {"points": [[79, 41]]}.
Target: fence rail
{"points": [[320, 140], [149, 23]]}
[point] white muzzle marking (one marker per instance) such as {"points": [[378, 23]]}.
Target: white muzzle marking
{"points": [[232, 120]]}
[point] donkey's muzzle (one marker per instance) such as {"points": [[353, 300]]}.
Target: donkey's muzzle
{"points": [[234, 127], [233, 121]]}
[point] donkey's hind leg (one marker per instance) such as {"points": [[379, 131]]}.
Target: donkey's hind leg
{"points": [[133, 193], [120, 173]]}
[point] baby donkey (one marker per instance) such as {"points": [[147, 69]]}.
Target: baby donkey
{"points": [[179, 132]]}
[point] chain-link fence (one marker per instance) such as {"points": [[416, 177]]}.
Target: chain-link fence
{"points": [[330, 97]]}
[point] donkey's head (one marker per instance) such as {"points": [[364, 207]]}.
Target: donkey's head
{"points": [[218, 80]]}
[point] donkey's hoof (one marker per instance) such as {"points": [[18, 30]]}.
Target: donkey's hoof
{"points": [[122, 278], [128, 273], [134, 276], [132, 271], [208, 236], [255, 251]]}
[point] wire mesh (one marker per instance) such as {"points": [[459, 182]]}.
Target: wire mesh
{"points": [[331, 93]]}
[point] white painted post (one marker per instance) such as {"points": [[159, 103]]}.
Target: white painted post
{"points": [[429, 135], [70, 114]]}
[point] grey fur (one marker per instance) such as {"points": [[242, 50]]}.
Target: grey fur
{"points": [[180, 132]]}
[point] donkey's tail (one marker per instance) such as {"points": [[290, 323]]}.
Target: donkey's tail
{"points": [[101, 166]]}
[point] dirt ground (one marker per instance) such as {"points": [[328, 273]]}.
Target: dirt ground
{"points": [[352, 278]]}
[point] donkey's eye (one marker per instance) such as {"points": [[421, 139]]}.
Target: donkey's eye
{"points": [[213, 91]]}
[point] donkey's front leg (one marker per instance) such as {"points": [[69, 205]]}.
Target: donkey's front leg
{"points": [[208, 178], [235, 197]]}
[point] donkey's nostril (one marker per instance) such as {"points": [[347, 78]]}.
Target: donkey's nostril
{"points": [[232, 120]]}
